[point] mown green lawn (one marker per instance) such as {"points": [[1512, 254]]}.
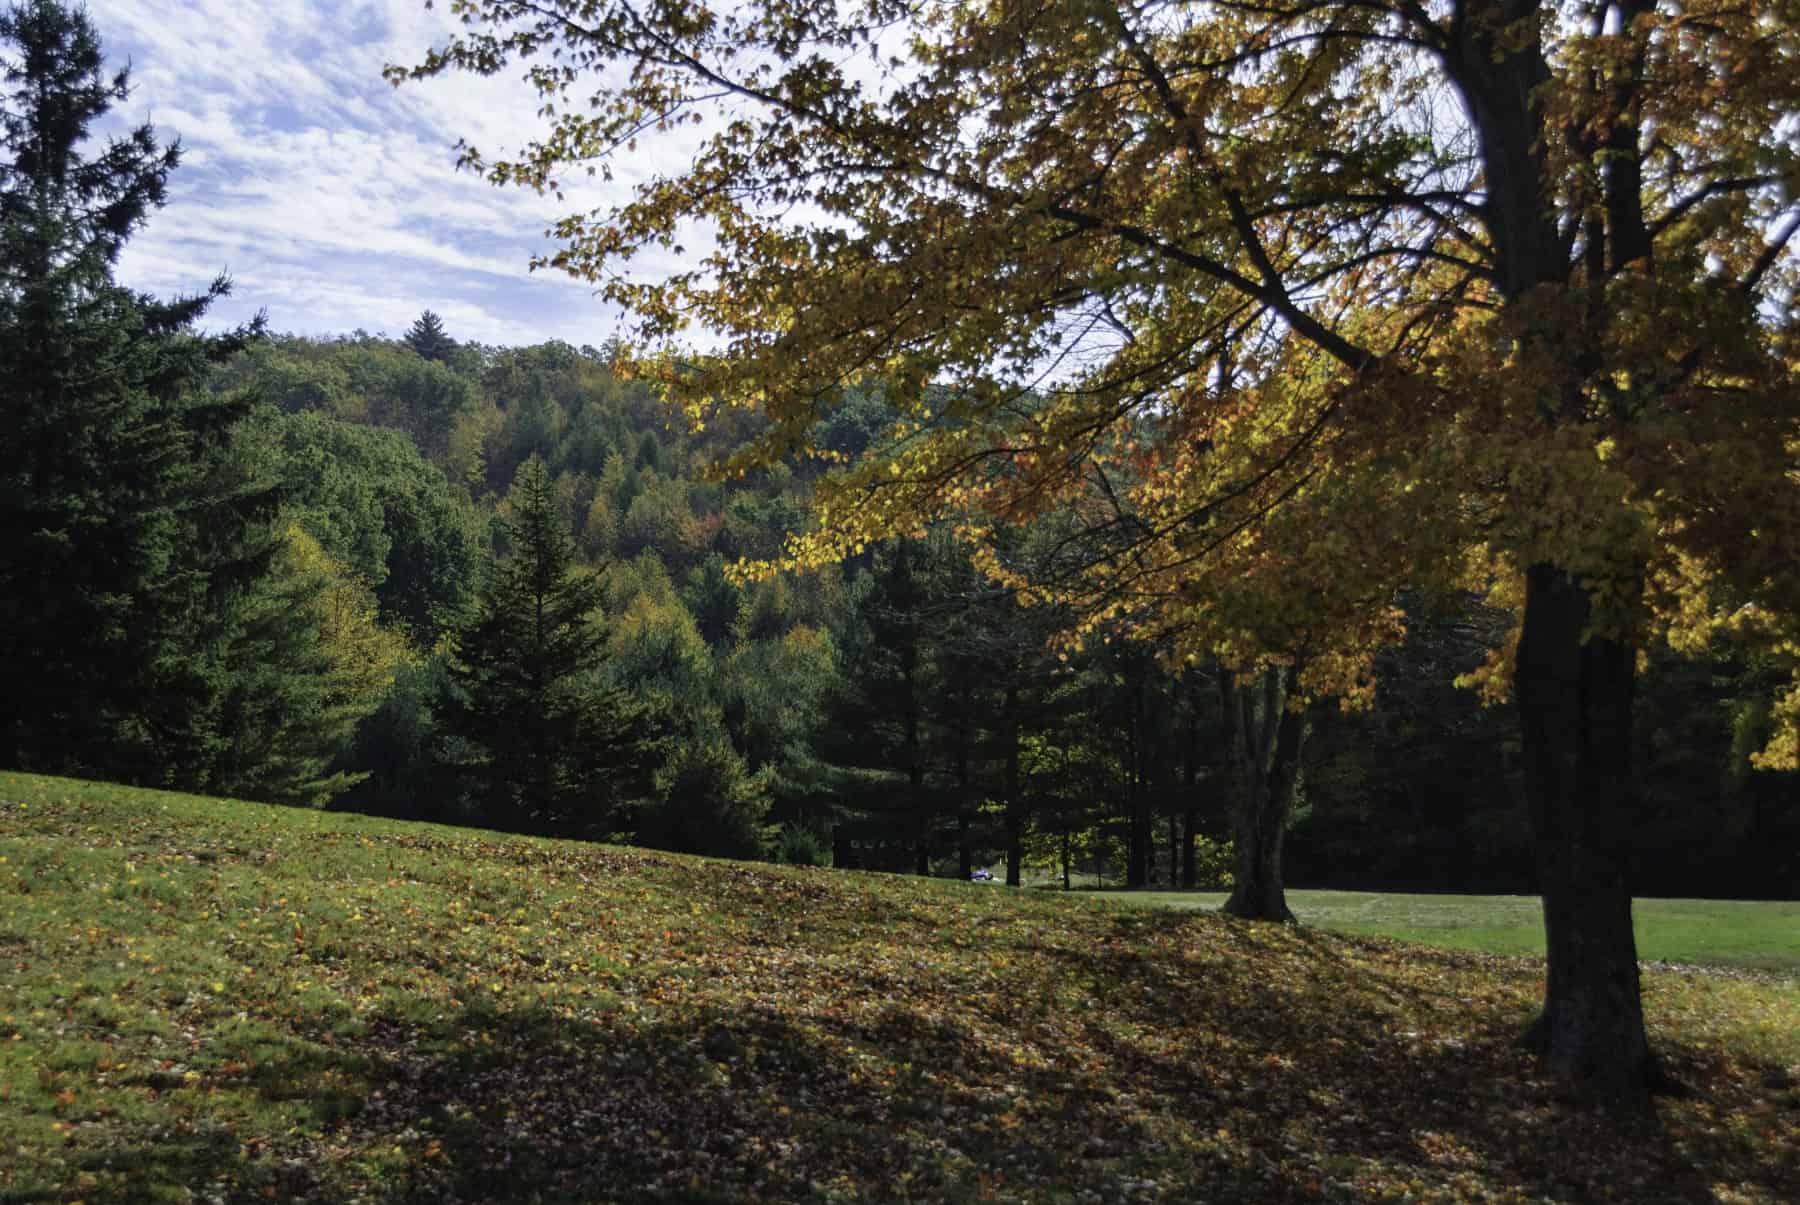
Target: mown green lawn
{"points": [[1763, 936], [202, 1000]]}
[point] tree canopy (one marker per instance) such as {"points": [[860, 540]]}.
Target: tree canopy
{"points": [[427, 337], [1224, 260]]}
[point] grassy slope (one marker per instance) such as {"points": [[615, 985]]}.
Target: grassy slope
{"points": [[1762, 936], [254, 1002]]}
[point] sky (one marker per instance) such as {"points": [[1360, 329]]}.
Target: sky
{"points": [[330, 197]]}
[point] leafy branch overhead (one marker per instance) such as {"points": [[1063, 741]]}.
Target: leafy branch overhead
{"points": [[1209, 265]]}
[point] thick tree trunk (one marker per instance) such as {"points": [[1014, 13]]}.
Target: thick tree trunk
{"points": [[1259, 891], [1574, 694], [1575, 699], [1267, 742]]}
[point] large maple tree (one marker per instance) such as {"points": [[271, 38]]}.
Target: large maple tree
{"points": [[1294, 300]]}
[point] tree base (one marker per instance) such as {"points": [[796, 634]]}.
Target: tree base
{"points": [[1275, 911], [1598, 1077]]}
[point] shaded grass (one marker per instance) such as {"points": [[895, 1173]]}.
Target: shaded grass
{"points": [[1754, 935], [247, 1003]]}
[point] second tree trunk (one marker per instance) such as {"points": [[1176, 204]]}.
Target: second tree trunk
{"points": [[1267, 740], [1574, 693]]}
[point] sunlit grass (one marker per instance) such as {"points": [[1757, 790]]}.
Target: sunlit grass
{"points": [[1757, 935], [209, 1000]]}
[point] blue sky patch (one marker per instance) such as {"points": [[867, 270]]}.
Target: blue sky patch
{"points": [[331, 197]]}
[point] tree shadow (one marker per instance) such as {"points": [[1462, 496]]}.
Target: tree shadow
{"points": [[1409, 1070], [1158, 1062]]}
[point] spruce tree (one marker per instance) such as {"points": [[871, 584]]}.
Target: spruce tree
{"points": [[426, 336], [303, 662], [124, 525], [882, 735], [538, 740]]}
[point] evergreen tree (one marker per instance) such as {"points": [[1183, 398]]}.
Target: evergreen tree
{"points": [[537, 737], [708, 803], [125, 525], [426, 336], [713, 599], [880, 740], [303, 661]]}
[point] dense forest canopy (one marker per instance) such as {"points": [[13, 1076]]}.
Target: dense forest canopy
{"points": [[805, 671]]}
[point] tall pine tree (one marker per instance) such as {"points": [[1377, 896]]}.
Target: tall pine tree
{"points": [[538, 740], [426, 336], [124, 522]]}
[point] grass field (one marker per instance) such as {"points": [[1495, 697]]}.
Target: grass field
{"points": [[211, 1001], [1762, 936]]}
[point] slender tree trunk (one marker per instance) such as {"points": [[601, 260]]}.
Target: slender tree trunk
{"points": [[911, 657], [1267, 743], [1575, 699], [1015, 807], [1137, 858], [1065, 860], [1190, 871], [915, 780], [1137, 855], [1174, 850], [965, 852]]}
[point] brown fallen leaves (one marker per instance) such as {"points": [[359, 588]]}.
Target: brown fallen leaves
{"points": [[478, 1018]]}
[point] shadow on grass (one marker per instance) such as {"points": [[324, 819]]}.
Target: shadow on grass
{"points": [[1373, 1065], [1175, 1084], [722, 1106]]}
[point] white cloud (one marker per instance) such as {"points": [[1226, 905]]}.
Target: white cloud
{"points": [[331, 197]]}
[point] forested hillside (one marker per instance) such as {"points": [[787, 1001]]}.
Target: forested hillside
{"points": [[897, 712]]}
